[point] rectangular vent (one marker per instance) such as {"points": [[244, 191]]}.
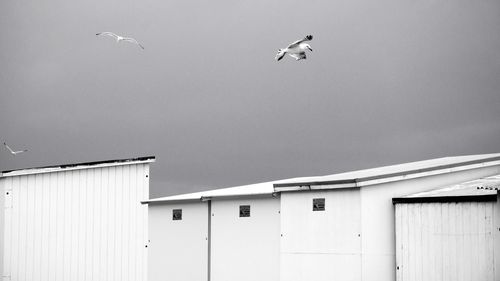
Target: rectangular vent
{"points": [[318, 204], [177, 214], [244, 211]]}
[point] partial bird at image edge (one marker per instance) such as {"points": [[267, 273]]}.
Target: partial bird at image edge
{"points": [[12, 151]]}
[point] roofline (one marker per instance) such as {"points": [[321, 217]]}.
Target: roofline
{"points": [[389, 177], [445, 199], [211, 198], [175, 201], [77, 166]]}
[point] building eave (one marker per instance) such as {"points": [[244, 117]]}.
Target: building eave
{"points": [[388, 177], [78, 166], [445, 199], [211, 198]]}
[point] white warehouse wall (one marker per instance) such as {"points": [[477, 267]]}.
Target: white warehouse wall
{"points": [[377, 215], [82, 224], [245, 248], [321, 245], [178, 249]]}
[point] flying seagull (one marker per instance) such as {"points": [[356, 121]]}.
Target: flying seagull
{"points": [[121, 38], [12, 151], [296, 50]]}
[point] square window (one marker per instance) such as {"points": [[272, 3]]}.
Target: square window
{"points": [[318, 204], [244, 211], [177, 214]]}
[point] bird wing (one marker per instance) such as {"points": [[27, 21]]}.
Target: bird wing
{"points": [[132, 40], [280, 55], [11, 151], [299, 56], [108, 34], [296, 43]]}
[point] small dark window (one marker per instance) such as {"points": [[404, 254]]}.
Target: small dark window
{"points": [[244, 211], [318, 204], [177, 214]]}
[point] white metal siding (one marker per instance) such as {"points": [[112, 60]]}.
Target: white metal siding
{"points": [[321, 245], [85, 224], [445, 241], [178, 248], [496, 237], [245, 248], [2, 228]]}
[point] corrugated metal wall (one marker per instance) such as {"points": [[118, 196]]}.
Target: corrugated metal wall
{"points": [[83, 224], [445, 241]]}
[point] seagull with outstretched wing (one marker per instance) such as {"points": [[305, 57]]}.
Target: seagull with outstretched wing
{"points": [[297, 49], [12, 151], [119, 38]]}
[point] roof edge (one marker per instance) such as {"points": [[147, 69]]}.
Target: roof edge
{"points": [[76, 166], [168, 202], [210, 198], [376, 179]]}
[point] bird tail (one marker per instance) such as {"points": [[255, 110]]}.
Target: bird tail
{"points": [[280, 55]]}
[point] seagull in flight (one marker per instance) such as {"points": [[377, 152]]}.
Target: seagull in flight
{"points": [[119, 38], [12, 151], [296, 50]]}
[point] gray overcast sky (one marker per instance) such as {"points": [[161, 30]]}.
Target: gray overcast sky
{"points": [[389, 81]]}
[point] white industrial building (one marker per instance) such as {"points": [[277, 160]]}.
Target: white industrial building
{"points": [[335, 227], [75, 222]]}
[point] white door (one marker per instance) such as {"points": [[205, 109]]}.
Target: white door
{"points": [[320, 236], [178, 248], [445, 241]]}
